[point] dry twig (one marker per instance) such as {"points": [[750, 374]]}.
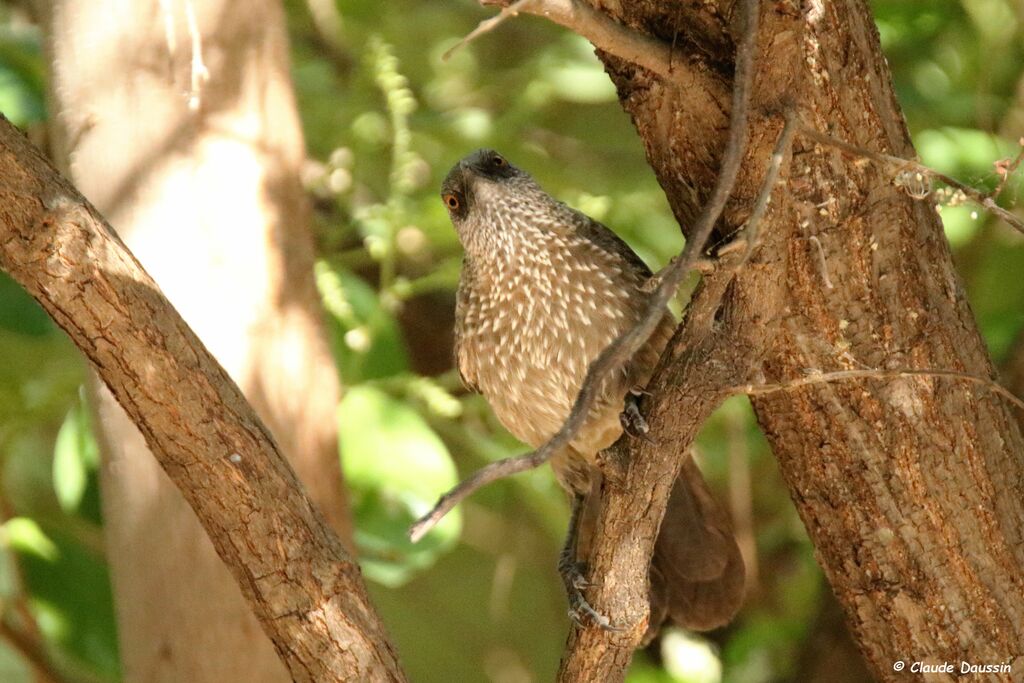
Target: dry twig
{"points": [[488, 25], [782, 145], [603, 32], [1006, 168]]}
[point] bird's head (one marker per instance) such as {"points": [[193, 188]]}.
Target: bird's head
{"points": [[483, 193]]}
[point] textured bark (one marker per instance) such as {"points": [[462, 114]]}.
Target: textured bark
{"points": [[209, 200], [911, 489], [294, 572]]}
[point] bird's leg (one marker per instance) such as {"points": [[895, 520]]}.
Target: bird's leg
{"points": [[632, 421], [572, 572]]}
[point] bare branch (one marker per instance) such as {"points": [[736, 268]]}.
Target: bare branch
{"points": [[753, 226], [603, 32], [488, 25], [899, 526], [620, 351], [1006, 168]]}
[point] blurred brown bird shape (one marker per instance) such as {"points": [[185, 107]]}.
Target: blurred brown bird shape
{"points": [[544, 289]]}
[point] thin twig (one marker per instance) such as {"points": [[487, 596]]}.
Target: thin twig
{"points": [[601, 30], [616, 354], [488, 25], [904, 165], [753, 227], [822, 261], [841, 375], [1006, 168]]}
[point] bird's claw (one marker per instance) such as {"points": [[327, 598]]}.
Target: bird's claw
{"points": [[574, 575], [632, 421], [580, 611], [583, 614]]}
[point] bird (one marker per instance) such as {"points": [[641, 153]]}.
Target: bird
{"points": [[543, 290]]}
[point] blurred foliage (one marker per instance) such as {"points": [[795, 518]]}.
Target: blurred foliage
{"points": [[385, 116]]}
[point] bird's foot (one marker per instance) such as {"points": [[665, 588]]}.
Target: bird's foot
{"points": [[580, 611], [632, 421]]}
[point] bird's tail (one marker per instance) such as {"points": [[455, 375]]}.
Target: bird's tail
{"points": [[697, 574]]}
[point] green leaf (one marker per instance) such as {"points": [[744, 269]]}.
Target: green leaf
{"points": [[396, 467], [75, 453], [72, 603], [25, 536]]}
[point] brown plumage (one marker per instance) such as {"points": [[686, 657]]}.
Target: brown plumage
{"points": [[544, 289]]}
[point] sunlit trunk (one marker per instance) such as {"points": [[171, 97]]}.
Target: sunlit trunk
{"points": [[177, 120]]}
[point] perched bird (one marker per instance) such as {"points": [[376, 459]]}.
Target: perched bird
{"points": [[544, 289]]}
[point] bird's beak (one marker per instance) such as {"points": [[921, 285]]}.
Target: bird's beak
{"points": [[467, 175]]}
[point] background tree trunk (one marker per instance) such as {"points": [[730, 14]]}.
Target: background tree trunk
{"points": [[200, 177], [911, 489]]}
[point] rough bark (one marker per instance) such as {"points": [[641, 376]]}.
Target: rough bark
{"points": [[208, 197], [911, 489], [298, 579]]}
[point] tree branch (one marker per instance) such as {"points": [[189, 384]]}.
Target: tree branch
{"points": [[921, 548], [304, 588], [602, 31]]}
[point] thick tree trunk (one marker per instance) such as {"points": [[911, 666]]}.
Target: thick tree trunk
{"points": [[200, 178], [912, 489]]}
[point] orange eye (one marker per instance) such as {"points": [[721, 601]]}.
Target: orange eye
{"points": [[451, 201]]}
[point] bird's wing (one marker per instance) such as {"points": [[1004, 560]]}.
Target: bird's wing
{"points": [[606, 239], [462, 362]]}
